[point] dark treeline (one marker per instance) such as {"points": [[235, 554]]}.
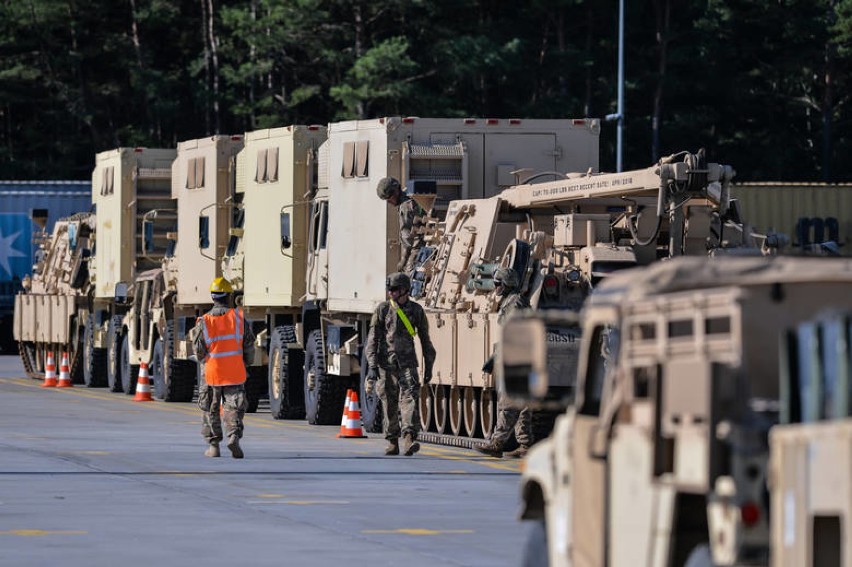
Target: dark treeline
{"points": [[762, 85]]}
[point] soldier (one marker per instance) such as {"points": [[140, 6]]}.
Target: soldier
{"points": [[507, 284], [392, 360], [411, 219], [224, 344]]}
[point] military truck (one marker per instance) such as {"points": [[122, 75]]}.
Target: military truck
{"points": [[661, 456], [353, 237], [131, 190], [50, 315], [167, 299], [810, 472]]}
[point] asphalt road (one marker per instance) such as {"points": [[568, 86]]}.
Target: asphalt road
{"points": [[90, 478]]}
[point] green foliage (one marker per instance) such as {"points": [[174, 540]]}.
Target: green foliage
{"points": [[763, 86]]}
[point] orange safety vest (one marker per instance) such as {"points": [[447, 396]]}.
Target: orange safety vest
{"points": [[223, 335]]}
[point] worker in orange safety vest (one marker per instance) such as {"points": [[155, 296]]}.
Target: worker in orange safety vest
{"points": [[224, 344]]}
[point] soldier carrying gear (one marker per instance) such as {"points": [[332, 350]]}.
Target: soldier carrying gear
{"points": [[392, 360], [411, 218], [507, 283], [224, 345]]}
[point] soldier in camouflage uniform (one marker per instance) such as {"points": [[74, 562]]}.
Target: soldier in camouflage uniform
{"points": [[231, 396], [392, 361], [507, 284], [412, 217]]}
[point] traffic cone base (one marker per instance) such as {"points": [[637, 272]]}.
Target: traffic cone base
{"points": [[49, 371], [351, 426], [143, 386], [64, 373]]}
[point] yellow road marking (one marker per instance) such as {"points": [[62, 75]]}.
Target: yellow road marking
{"points": [[28, 533], [417, 531]]}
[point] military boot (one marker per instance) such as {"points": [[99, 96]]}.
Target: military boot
{"points": [[234, 447], [492, 449], [518, 453], [212, 450], [411, 446], [392, 448]]}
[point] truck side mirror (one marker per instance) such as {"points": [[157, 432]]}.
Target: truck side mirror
{"points": [[121, 289], [286, 240], [147, 236], [537, 358]]}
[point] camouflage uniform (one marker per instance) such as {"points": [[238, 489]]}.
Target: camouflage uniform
{"points": [[232, 399], [508, 416], [411, 220], [390, 349]]}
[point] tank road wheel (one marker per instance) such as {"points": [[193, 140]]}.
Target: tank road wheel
{"points": [[286, 399], [115, 335], [456, 410], [323, 402], [426, 400], [487, 411], [440, 407], [174, 380], [371, 404], [129, 372], [470, 411], [94, 359]]}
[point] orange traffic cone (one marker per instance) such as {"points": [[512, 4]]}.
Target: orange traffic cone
{"points": [[351, 426], [143, 386], [49, 371], [64, 373]]}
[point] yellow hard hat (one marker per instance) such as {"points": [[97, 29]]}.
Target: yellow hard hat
{"points": [[221, 285]]}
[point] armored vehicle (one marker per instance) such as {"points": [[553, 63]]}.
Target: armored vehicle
{"points": [[131, 190], [810, 477], [661, 457], [353, 236], [50, 315]]}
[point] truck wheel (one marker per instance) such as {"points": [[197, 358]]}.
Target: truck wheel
{"points": [[371, 404], [286, 400], [115, 335], [323, 402], [94, 359], [535, 548], [129, 372], [174, 380]]}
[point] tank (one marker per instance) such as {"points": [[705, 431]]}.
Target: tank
{"points": [[663, 452]]}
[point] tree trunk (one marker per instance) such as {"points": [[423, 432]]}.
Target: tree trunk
{"points": [[828, 101], [214, 65]]}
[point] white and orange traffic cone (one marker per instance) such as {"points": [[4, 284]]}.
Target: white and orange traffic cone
{"points": [[143, 386], [49, 371], [351, 426], [64, 373]]}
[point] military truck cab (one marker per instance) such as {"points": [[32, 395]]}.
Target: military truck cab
{"points": [[662, 455]]}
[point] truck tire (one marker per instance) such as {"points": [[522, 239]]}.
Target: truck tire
{"points": [[129, 372], [76, 353], [285, 380], [94, 359], [371, 405], [115, 336], [174, 380], [535, 548], [323, 402]]}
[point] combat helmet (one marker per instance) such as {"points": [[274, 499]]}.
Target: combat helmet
{"points": [[508, 278], [387, 188], [398, 279]]}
